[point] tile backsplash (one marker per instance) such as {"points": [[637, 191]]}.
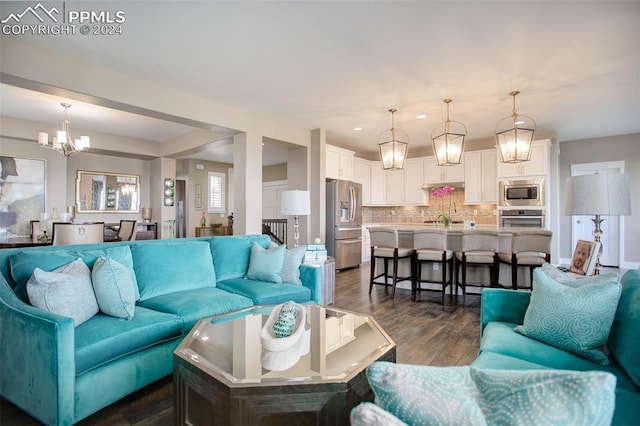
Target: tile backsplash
{"points": [[484, 214]]}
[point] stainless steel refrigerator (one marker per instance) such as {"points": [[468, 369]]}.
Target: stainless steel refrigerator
{"points": [[344, 222]]}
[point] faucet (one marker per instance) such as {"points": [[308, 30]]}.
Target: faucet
{"points": [[455, 207]]}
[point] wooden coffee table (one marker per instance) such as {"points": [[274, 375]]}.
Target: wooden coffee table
{"points": [[219, 379]]}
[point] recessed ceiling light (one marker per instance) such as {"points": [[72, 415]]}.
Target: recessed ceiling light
{"points": [[357, 129], [421, 116]]}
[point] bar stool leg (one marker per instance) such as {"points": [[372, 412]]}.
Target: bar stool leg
{"points": [[395, 272], [444, 274], [514, 272]]}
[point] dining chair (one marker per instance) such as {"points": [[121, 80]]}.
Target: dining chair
{"points": [[127, 230], [384, 246], [65, 233], [529, 248], [430, 246], [479, 250]]}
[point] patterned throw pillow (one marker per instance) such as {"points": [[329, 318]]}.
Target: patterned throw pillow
{"points": [[424, 395], [114, 288], [579, 280], [575, 319], [266, 265], [291, 267], [65, 291], [368, 414]]}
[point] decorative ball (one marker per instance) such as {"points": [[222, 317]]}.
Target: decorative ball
{"points": [[286, 322], [317, 240]]}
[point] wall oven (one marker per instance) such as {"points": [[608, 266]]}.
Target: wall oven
{"points": [[516, 193], [533, 218]]}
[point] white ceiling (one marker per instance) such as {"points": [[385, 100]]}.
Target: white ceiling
{"points": [[340, 65]]}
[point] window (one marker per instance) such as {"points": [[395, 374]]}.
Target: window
{"points": [[216, 193]]}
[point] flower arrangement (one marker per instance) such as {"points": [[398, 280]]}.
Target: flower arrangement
{"points": [[446, 214]]}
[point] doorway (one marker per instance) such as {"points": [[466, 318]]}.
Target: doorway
{"points": [[612, 226]]}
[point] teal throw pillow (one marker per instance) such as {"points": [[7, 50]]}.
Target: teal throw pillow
{"points": [[574, 280], [114, 288], [424, 395], [266, 264], [291, 266], [575, 319], [66, 291], [368, 414]]}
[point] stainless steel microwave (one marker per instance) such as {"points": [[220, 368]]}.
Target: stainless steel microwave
{"points": [[521, 193]]}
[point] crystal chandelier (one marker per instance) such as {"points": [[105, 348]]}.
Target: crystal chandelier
{"points": [[514, 135], [63, 142], [393, 145], [448, 144]]}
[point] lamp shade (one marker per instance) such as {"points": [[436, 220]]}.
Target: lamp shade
{"points": [[295, 203], [598, 194]]}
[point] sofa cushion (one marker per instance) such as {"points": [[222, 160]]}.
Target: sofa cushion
{"points": [[231, 254], [266, 264], [104, 338], [419, 394], [65, 291], [167, 267], [501, 338], [265, 293], [114, 288], [24, 262], [577, 319], [624, 342], [194, 305]]}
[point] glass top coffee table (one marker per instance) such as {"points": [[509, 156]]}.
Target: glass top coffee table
{"points": [[220, 375]]}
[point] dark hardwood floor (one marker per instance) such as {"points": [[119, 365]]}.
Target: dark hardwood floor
{"points": [[425, 332]]}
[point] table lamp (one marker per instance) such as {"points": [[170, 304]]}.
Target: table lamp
{"points": [[295, 203], [598, 195]]}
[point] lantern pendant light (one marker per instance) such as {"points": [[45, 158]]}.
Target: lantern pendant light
{"points": [[393, 145], [448, 140], [514, 136]]}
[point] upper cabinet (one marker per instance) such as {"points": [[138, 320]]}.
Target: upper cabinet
{"points": [[538, 165], [378, 184], [480, 183], [340, 163], [362, 175], [413, 180], [442, 174]]}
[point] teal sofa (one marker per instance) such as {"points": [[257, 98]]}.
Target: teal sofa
{"points": [[503, 348], [60, 374]]}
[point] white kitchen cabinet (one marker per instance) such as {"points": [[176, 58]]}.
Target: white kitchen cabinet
{"points": [[413, 181], [362, 175], [538, 164], [394, 183], [378, 184], [339, 163], [442, 174], [480, 182], [339, 331]]}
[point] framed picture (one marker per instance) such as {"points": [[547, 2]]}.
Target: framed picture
{"points": [[22, 192], [584, 257]]}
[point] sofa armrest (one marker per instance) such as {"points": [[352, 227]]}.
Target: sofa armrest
{"points": [[311, 278], [37, 372], [503, 305]]}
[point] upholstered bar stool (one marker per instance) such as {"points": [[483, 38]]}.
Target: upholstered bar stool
{"points": [[384, 245], [430, 246], [529, 248], [479, 250]]}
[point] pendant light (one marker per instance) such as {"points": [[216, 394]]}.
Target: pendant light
{"points": [[393, 145], [514, 135], [448, 142], [64, 143]]}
